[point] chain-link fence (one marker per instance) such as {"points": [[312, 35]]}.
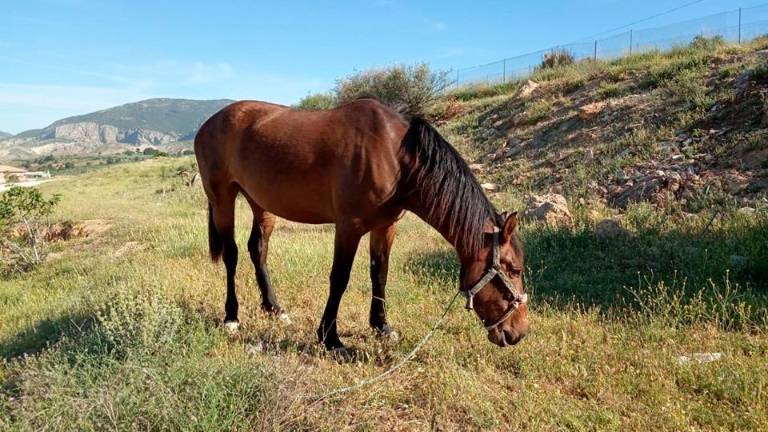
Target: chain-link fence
{"points": [[737, 26]]}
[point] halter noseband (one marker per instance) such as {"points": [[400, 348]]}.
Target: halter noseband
{"points": [[494, 271]]}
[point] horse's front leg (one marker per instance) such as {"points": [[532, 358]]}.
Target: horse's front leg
{"points": [[381, 244], [347, 240]]}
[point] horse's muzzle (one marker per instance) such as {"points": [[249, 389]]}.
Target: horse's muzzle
{"points": [[505, 337]]}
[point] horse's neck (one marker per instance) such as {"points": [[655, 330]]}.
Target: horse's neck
{"points": [[421, 209]]}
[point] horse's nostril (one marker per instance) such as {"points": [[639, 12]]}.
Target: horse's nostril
{"points": [[512, 337]]}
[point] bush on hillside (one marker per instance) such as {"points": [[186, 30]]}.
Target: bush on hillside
{"points": [[317, 101], [408, 89], [557, 58], [23, 213], [707, 43]]}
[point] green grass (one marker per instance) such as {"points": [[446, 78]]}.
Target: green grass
{"points": [[121, 330]]}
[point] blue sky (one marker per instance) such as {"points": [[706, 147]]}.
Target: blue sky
{"points": [[65, 57]]}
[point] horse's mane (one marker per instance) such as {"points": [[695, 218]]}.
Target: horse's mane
{"points": [[447, 187]]}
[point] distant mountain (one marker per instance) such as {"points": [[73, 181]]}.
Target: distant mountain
{"points": [[152, 122], [4, 135]]}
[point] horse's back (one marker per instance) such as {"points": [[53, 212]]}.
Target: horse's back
{"points": [[306, 166]]}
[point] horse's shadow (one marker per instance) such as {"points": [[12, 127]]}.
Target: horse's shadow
{"points": [[45, 333], [566, 266]]}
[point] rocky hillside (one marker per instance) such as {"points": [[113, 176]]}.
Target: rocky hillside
{"points": [[153, 122], [4, 135], [685, 129]]}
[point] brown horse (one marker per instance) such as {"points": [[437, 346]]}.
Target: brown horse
{"points": [[358, 166]]}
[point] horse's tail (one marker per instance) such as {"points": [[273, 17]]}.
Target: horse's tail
{"points": [[215, 243]]}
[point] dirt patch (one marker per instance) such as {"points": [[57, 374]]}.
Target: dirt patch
{"points": [[63, 231], [128, 248]]}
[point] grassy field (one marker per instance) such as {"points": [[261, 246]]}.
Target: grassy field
{"points": [[121, 330]]}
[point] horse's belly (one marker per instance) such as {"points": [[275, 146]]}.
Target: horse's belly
{"points": [[304, 203]]}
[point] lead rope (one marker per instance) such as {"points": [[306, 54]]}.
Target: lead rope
{"points": [[399, 364]]}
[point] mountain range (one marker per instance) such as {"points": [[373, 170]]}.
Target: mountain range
{"points": [[164, 123]]}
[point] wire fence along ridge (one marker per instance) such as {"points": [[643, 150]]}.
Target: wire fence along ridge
{"points": [[736, 26]]}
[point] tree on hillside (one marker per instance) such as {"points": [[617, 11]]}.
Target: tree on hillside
{"points": [[23, 212]]}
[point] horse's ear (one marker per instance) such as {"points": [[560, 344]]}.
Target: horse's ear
{"points": [[510, 223]]}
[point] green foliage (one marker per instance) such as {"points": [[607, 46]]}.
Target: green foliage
{"points": [[689, 89], [707, 43], [22, 214], [608, 90], [143, 322], [479, 91], [317, 101], [557, 58], [537, 110], [405, 88]]}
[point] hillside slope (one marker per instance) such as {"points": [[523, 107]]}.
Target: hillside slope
{"points": [[152, 122], [685, 128], [4, 135]]}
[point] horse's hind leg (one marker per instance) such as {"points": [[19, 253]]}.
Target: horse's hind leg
{"points": [[380, 245], [223, 226], [258, 247]]}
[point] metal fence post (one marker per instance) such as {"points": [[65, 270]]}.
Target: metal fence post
{"points": [[739, 26], [504, 72], [595, 49], [631, 41]]}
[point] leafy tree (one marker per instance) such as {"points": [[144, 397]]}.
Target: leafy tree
{"points": [[22, 215], [317, 101], [409, 89]]}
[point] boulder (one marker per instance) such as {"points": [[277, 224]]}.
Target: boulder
{"points": [[527, 90], [609, 228], [550, 208]]}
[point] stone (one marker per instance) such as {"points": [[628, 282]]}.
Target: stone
{"points": [[700, 358], [550, 208], [476, 167], [490, 187], [610, 228], [747, 210], [589, 112], [527, 90]]}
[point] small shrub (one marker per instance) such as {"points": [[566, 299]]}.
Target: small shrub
{"points": [[689, 88], [707, 43], [609, 91], [317, 101], [22, 215], [409, 89], [557, 58], [143, 322], [537, 111], [759, 73]]}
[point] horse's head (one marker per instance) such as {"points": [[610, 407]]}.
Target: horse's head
{"points": [[492, 281]]}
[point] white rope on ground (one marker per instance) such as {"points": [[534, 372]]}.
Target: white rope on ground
{"points": [[399, 364]]}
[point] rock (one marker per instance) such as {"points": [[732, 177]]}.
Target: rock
{"points": [[527, 90], [490, 187], [253, 350], [678, 157], [476, 167], [590, 154], [700, 358], [589, 112], [747, 210], [550, 208], [609, 228]]}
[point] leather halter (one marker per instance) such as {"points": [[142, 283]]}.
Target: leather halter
{"points": [[494, 271]]}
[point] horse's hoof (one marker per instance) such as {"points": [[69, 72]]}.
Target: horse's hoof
{"points": [[284, 318], [231, 326], [343, 353]]}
